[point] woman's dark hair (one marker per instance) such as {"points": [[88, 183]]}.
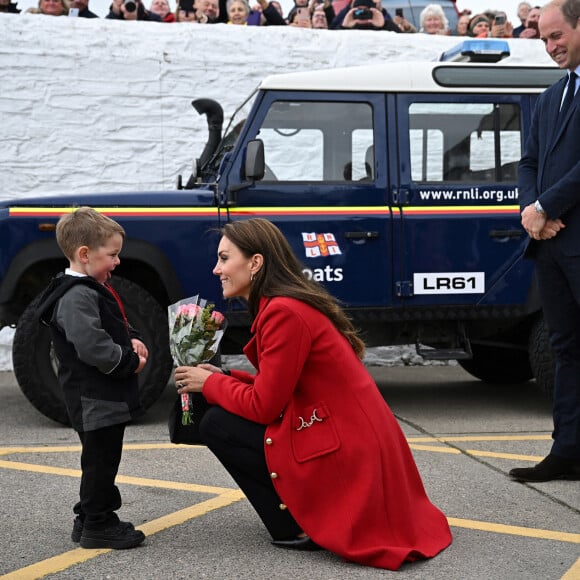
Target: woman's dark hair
{"points": [[281, 274]]}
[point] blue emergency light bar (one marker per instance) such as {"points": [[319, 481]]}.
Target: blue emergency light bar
{"points": [[477, 50]]}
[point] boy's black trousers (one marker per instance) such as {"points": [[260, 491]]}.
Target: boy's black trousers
{"points": [[100, 459]]}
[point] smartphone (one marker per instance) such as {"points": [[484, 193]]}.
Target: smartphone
{"points": [[500, 19], [73, 12], [399, 12], [303, 14], [254, 18]]}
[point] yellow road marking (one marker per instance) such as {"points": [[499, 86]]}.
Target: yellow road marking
{"points": [[130, 480], [515, 530], [480, 438], [80, 555], [477, 453], [510, 456], [227, 496], [57, 449], [573, 573], [435, 449]]}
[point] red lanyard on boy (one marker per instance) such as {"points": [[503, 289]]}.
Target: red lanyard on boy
{"points": [[118, 300]]}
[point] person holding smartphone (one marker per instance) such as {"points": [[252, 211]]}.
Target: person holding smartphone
{"points": [[531, 29], [269, 14], [501, 27], [400, 20]]}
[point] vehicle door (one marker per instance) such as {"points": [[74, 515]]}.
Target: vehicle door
{"points": [[324, 187], [458, 237]]}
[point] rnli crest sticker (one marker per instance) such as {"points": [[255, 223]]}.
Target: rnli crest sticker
{"points": [[320, 245]]}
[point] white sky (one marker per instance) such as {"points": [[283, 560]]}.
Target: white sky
{"points": [[101, 7]]}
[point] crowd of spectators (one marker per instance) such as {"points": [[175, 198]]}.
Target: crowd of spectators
{"points": [[330, 14]]}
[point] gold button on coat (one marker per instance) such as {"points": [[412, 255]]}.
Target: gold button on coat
{"points": [[269, 441], [273, 475], [282, 506]]}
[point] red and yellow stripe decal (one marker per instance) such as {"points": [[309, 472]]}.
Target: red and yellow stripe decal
{"points": [[117, 211], [378, 211], [461, 210]]}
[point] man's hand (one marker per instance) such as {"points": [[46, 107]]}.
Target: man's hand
{"points": [[529, 33], [533, 222], [551, 228]]}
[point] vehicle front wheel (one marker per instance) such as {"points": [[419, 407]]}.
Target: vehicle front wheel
{"points": [[35, 365]]}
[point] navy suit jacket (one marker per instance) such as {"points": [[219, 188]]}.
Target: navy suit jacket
{"points": [[549, 170]]}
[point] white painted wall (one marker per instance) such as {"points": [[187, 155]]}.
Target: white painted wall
{"points": [[99, 105]]}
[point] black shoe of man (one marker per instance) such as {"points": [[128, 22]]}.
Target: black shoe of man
{"points": [[550, 468], [121, 536]]}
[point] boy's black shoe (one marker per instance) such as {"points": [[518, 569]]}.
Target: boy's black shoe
{"points": [[77, 530], [121, 536]]}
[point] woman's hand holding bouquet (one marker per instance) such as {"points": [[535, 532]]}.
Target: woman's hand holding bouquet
{"points": [[195, 331]]}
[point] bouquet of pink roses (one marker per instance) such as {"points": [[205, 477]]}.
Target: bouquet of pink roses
{"points": [[195, 332]]}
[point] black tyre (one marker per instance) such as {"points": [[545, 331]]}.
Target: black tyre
{"points": [[35, 364], [496, 365], [542, 358]]}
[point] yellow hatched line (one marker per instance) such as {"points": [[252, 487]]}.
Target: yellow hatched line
{"points": [[74, 557], [515, 530], [477, 453], [61, 448], [413, 443], [481, 438], [129, 480], [573, 573], [227, 496], [510, 456], [432, 448]]}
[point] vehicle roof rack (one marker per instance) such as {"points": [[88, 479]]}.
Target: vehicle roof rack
{"points": [[477, 50]]}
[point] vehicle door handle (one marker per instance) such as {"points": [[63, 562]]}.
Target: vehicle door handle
{"points": [[512, 234], [361, 235]]}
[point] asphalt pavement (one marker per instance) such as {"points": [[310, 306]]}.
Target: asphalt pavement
{"points": [[465, 436]]}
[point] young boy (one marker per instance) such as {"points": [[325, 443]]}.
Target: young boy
{"points": [[99, 355]]}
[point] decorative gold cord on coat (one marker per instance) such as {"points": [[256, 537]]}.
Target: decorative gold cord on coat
{"points": [[303, 424]]}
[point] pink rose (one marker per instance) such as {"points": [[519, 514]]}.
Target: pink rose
{"points": [[189, 310], [217, 317]]}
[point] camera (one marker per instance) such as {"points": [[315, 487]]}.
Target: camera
{"points": [[130, 5], [500, 19], [362, 14], [187, 6], [362, 9], [399, 13]]}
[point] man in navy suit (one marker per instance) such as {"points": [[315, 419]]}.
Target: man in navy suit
{"points": [[549, 190]]}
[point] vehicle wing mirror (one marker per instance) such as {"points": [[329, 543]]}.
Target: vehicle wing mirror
{"points": [[255, 164]]}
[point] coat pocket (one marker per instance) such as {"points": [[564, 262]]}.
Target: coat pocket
{"points": [[313, 433]]}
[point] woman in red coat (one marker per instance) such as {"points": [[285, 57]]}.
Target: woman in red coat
{"points": [[309, 438]]}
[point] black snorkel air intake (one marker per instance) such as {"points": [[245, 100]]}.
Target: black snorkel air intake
{"points": [[215, 119]]}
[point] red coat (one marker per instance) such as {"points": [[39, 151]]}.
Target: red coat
{"points": [[337, 455]]}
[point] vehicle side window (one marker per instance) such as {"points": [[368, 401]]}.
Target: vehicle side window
{"points": [[464, 142], [318, 141]]}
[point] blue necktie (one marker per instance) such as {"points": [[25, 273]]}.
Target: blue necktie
{"points": [[568, 98]]}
